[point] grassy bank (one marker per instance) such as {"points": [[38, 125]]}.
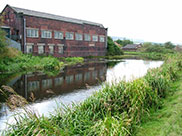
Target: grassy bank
{"points": [[147, 55], [168, 119], [18, 62], [134, 55], [115, 110]]}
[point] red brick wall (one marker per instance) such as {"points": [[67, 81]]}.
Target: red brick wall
{"points": [[72, 47], [14, 21]]}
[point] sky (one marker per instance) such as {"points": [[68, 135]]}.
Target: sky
{"points": [[148, 20]]}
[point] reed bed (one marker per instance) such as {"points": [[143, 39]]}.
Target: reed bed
{"points": [[114, 110]]}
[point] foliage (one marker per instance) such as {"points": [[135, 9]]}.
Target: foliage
{"points": [[167, 120], [155, 48], [3, 41], [29, 63], [113, 49], [124, 42], [15, 61], [168, 45], [73, 60], [114, 110]]}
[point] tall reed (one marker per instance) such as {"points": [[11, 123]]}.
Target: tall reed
{"points": [[114, 110]]}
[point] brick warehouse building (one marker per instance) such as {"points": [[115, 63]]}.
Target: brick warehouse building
{"points": [[43, 33]]}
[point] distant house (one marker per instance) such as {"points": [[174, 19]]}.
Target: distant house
{"points": [[178, 48], [132, 47], [43, 33]]}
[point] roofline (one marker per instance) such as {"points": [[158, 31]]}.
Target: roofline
{"points": [[22, 14], [6, 7]]}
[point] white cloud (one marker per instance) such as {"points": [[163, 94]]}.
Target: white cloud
{"points": [[150, 20]]}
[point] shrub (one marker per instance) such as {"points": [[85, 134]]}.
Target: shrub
{"points": [[113, 49]]}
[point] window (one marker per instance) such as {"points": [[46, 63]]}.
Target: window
{"points": [[94, 38], [60, 49], [87, 76], [40, 49], [34, 85], [46, 34], [79, 37], [102, 39], [78, 77], [94, 74], [58, 81], [69, 79], [69, 36], [32, 32], [46, 83], [51, 49], [29, 49], [87, 37], [58, 35]]}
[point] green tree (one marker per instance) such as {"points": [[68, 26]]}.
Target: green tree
{"points": [[124, 42], [168, 45], [113, 49]]}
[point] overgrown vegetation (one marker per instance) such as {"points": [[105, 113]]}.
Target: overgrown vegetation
{"points": [[15, 61], [29, 63], [157, 48], [167, 121], [124, 42], [113, 49], [114, 110]]}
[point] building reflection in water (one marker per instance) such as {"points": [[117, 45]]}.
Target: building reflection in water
{"points": [[70, 79]]}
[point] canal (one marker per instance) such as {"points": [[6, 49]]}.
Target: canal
{"points": [[72, 84]]}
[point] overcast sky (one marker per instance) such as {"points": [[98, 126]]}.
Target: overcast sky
{"points": [[149, 20]]}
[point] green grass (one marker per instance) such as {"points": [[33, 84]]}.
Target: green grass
{"points": [[27, 62], [114, 110], [167, 121], [134, 55]]}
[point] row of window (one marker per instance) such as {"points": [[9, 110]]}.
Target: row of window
{"points": [[48, 83], [41, 49], [34, 33]]}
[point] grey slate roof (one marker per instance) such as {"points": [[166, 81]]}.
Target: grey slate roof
{"points": [[54, 17], [131, 46]]}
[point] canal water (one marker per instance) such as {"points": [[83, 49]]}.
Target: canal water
{"points": [[72, 84]]}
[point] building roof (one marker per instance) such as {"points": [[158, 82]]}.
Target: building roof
{"points": [[54, 17], [131, 46]]}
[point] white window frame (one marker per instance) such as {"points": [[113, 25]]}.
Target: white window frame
{"points": [[95, 38], [58, 35], [32, 32], [39, 51], [87, 37], [102, 38], [46, 34], [29, 47], [69, 36], [78, 37], [51, 49], [60, 50]]}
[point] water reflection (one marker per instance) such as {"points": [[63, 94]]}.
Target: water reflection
{"points": [[73, 84], [68, 80]]}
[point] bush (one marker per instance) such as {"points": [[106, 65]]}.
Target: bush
{"points": [[113, 49], [155, 48], [124, 42]]}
